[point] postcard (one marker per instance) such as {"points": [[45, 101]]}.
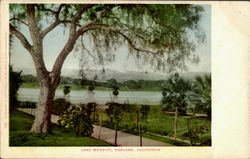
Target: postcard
{"points": [[125, 79]]}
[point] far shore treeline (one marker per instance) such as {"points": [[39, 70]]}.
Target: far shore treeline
{"points": [[30, 81]]}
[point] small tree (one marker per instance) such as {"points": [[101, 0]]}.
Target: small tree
{"points": [[115, 93], [115, 90], [91, 87], [174, 93], [92, 83], [66, 91]]}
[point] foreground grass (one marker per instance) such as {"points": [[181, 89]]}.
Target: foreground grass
{"points": [[73, 87], [20, 134], [166, 140]]}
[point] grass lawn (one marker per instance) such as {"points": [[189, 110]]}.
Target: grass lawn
{"points": [[163, 124], [20, 134]]}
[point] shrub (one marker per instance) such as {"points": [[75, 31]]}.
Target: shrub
{"points": [[116, 111], [110, 110], [90, 107], [59, 106], [76, 118], [144, 112], [15, 81], [127, 113], [66, 90], [27, 104], [198, 133]]}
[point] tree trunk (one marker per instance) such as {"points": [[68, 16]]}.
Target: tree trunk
{"points": [[80, 126], [116, 98], [137, 119], [44, 106], [67, 97], [91, 98]]}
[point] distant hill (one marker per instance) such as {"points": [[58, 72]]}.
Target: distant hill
{"points": [[119, 76]]}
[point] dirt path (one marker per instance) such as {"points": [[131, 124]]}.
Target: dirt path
{"points": [[108, 135], [124, 139]]}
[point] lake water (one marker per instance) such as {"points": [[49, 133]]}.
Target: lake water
{"points": [[100, 97]]}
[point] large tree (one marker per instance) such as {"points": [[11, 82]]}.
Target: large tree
{"points": [[164, 35]]}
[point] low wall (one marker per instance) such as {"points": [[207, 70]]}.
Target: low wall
{"points": [[33, 111]]}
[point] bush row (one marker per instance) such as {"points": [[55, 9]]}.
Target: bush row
{"points": [[27, 104]]}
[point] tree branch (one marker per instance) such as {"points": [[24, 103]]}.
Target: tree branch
{"points": [[93, 21], [120, 32], [16, 19], [71, 40], [131, 43], [45, 9], [60, 7], [129, 28], [87, 50], [21, 37], [56, 22], [49, 28], [34, 31], [52, 26], [77, 17], [58, 11]]}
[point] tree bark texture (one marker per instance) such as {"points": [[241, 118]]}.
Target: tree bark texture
{"points": [[44, 105]]}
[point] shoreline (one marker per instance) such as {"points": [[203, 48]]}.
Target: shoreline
{"points": [[96, 88]]}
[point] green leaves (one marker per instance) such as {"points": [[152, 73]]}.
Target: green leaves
{"points": [[66, 90], [77, 118], [199, 133], [144, 110], [199, 99], [91, 87], [159, 32], [193, 97], [17, 11], [59, 106], [14, 84], [174, 93]]}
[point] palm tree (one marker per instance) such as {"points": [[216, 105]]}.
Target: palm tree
{"points": [[174, 93], [199, 99]]}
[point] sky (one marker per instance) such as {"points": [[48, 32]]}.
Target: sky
{"points": [[56, 39]]}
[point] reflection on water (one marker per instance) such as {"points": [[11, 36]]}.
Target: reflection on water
{"points": [[101, 97]]}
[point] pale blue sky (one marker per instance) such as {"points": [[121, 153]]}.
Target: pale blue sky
{"points": [[56, 39]]}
